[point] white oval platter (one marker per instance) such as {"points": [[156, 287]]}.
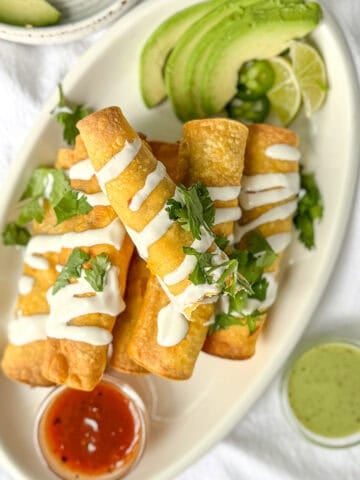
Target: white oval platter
{"points": [[189, 417]]}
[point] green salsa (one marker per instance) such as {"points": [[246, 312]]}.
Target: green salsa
{"points": [[324, 390]]}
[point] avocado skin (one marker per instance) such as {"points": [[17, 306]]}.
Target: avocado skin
{"points": [[37, 13], [180, 63], [260, 34], [158, 46]]}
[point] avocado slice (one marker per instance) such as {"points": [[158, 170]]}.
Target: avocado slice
{"points": [[159, 45], [258, 34], [180, 62], [37, 13], [206, 45]]}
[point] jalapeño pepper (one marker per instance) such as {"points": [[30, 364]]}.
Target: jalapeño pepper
{"points": [[255, 79]]}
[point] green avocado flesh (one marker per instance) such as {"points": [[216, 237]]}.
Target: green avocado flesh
{"points": [[160, 44], [37, 13], [258, 34], [182, 59]]}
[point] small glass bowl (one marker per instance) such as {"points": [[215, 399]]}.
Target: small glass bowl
{"points": [[139, 412], [320, 440]]}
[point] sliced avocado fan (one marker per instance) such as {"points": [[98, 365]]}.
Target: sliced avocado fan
{"points": [[190, 49], [261, 33], [37, 13], [159, 45]]}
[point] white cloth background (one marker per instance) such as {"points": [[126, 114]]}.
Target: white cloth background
{"points": [[262, 446]]}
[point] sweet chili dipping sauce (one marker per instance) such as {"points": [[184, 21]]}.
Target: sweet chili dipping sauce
{"points": [[99, 434]]}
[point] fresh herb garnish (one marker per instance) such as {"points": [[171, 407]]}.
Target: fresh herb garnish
{"points": [[250, 266], [51, 184], [94, 275], [71, 204], [68, 115], [224, 273], [201, 273], [310, 208], [221, 241], [14, 234], [72, 269], [192, 208], [225, 320]]}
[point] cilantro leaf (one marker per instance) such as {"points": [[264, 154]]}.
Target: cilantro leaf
{"points": [[71, 204], [193, 209], [72, 269], [225, 320], [260, 289], [224, 274], [221, 241], [37, 184], [65, 201], [14, 234], [95, 275], [32, 210], [61, 185], [200, 274], [310, 208], [68, 115]]}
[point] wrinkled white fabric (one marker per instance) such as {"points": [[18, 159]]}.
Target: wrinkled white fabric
{"points": [[262, 446]]}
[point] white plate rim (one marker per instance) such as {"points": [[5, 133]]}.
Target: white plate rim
{"points": [[232, 416]]}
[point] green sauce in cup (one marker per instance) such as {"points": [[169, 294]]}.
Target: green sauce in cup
{"points": [[323, 390]]}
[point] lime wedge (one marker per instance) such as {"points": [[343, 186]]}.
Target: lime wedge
{"points": [[285, 95], [310, 71]]}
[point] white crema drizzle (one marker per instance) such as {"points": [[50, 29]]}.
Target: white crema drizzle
{"points": [[151, 233], [82, 170], [151, 182], [224, 194], [231, 214], [189, 262], [270, 188], [27, 329], [96, 199], [283, 151], [280, 212], [279, 241], [66, 304], [26, 284], [172, 326], [118, 163], [113, 234]]}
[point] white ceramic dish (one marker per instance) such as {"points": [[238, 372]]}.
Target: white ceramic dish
{"points": [[188, 418], [78, 18]]}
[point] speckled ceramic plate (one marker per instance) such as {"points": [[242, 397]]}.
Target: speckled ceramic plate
{"points": [[187, 418], [78, 18]]}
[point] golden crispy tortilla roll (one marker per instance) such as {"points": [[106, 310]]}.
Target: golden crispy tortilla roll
{"points": [[205, 143], [78, 317], [23, 362], [174, 362], [138, 188], [134, 298], [168, 154], [79, 364], [268, 200], [215, 152]]}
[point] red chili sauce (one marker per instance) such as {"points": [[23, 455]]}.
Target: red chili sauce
{"points": [[90, 433]]}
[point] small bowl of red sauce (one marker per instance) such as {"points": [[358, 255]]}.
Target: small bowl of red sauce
{"points": [[99, 434]]}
